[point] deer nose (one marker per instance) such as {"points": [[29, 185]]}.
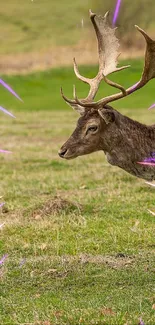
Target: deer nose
{"points": [[62, 153]]}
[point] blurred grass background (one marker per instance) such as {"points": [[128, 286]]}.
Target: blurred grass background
{"points": [[37, 25], [38, 35], [78, 234], [41, 90]]}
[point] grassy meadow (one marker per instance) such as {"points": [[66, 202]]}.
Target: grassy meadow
{"points": [[36, 25], [41, 90], [78, 235]]}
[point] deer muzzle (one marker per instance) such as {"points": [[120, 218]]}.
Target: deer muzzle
{"points": [[62, 152]]}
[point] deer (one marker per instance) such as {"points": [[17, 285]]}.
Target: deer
{"points": [[125, 142]]}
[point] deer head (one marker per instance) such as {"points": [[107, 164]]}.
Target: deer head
{"points": [[98, 125]]}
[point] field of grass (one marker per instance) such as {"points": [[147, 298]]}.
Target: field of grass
{"points": [[36, 34], [78, 234], [37, 25], [41, 90]]}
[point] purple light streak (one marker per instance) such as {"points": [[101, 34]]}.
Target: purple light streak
{"points": [[116, 12], [3, 83], [152, 106], [5, 151], [3, 259], [146, 163], [150, 161], [2, 224], [141, 322], [134, 86], [23, 261], [6, 112]]}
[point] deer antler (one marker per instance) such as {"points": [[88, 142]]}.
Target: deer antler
{"points": [[147, 75], [108, 45]]}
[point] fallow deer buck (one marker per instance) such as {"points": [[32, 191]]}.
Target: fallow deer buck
{"points": [[124, 141]]}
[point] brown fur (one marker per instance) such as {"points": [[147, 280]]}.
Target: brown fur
{"points": [[124, 141]]}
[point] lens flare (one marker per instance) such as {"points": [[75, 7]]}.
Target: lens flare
{"points": [[146, 163], [22, 262], [6, 111], [152, 106], [2, 224], [4, 84], [5, 151], [141, 322], [116, 12], [3, 259], [150, 161], [134, 86]]}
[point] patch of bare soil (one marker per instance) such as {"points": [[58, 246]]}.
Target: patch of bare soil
{"points": [[55, 206], [115, 262]]}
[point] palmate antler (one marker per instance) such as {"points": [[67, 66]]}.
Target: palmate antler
{"points": [[108, 46], [108, 54]]}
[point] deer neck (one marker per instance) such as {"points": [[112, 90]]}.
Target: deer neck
{"points": [[128, 142]]}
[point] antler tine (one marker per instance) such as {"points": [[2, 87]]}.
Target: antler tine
{"points": [[147, 37], [108, 54], [115, 85], [149, 67], [109, 82], [108, 44], [79, 76], [69, 101], [91, 82], [147, 75], [99, 37], [76, 98], [122, 68]]}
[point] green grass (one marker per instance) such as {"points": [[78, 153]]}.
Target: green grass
{"points": [[87, 262], [41, 91], [37, 25]]}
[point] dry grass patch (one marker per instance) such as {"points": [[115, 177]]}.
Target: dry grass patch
{"points": [[81, 226], [115, 262], [55, 206]]}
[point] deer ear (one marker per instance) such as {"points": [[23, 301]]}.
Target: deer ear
{"points": [[78, 108], [107, 114]]}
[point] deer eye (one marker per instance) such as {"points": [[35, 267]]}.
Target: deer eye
{"points": [[92, 129]]}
